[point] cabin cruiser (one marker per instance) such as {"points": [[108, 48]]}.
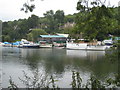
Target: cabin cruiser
{"points": [[77, 46], [87, 46], [27, 44]]}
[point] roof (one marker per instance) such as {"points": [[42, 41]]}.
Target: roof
{"points": [[52, 36], [65, 35]]}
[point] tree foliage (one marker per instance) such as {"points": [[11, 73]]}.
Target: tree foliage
{"points": [[54, 20], [94, 21], [34, 34]]}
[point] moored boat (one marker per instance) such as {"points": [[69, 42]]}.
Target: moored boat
{"points": [[1, 44], [7, 44], [27, 44], [97, 48], [77, 46], [44, 44], [85, 46]]}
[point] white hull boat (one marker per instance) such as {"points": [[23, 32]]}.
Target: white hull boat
{"points": [[26, 44], [97, 48], [84, 46], [77, 46], [29, 46], [1, 44]]}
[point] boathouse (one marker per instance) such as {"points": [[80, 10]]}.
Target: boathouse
{"points": [[53, 38]]}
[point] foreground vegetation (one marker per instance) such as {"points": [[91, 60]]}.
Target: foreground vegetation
{"points": [[39, 81]]}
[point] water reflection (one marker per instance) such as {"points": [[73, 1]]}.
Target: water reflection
{"points": [[58, 62], [91, 55], [77, 53], [95, 55], [50, 59]]}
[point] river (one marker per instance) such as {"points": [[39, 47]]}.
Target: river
{"points": [[57, 62]]}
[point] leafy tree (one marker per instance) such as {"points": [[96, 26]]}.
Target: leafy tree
{"points": [[53, 21], [33, 21], [23, 28], [30, 37], [96, 22], [49, 15], [27, 7], [59, 16], [7, 38], [9, 29], [34, 34]]}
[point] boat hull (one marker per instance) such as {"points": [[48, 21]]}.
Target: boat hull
{"points": [[84, 46], [76, 46], [96, 48], [28, 46]]}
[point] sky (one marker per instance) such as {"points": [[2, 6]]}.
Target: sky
{"points": [[10, 9]]}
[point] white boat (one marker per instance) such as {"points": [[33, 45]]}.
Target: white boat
{"points": [[85, 46], [1, 44], [77, 46], [27, 44], [44, 44]]}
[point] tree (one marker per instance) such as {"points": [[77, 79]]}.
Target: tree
{"points": [[96, 22], [23, 28], [7, 38], [53, 21], [30, 37], [34, 34], [28, 7], [50, 27], [33, 21], [59, 16], [9, 30]]}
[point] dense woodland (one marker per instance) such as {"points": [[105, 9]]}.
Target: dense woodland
{"points": [[95, 22]]}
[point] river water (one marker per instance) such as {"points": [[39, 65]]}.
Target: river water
{"points": [[57, 62]]}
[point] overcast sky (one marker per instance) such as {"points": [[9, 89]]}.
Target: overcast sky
{"points": [[10, 9]]}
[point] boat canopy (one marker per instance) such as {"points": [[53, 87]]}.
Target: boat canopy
{"points": [[7, 43], [52, 36]]}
